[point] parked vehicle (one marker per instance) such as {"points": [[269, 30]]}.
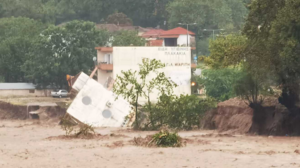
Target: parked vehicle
{"points": [[60, 93]]}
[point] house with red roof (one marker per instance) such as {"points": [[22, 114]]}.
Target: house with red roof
{"points": [[177, 37], [152, 34], [152, 37]]}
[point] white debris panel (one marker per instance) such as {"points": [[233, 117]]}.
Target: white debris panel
{"points": [[96, 106]]}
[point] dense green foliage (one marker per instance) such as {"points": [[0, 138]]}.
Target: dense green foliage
{"points": [[183, 112], [119, 19], [219, 83], [268, 50], [35, 9], [142, 12], [272, 28], [215, 14], [63, 50], [17, 38], [226, 51]]}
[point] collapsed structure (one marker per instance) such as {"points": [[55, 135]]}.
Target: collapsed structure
{"points": [[96, 106]]}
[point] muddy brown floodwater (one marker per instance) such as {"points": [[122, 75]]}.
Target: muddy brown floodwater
{"points": [[24, 144]]}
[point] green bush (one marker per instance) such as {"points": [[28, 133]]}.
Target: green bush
{"points": [[182, 112], [252, 88], [219, 83], [167, 139]]}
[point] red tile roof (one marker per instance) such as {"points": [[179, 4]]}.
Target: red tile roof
{"points": [[174, 33], [154, 33], [104, 49], [138, 28]]}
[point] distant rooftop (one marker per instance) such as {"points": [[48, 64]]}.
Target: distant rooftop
{"points": [[114, 28], [174, 33], [17, 86], [154, 33]]}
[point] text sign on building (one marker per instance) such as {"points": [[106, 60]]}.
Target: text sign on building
{"points": [[176, 59]]}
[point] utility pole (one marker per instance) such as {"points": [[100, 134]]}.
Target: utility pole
{"points": [[187, 32], [213, 30]]}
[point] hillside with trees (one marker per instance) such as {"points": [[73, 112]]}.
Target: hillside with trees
{"points": [[37, 36]]}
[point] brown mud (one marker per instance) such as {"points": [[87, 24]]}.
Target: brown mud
{"points": [[235, 116], [27, 145], [21, 112]]}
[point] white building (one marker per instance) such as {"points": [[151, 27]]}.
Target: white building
{"points": [[177, 59], [22, 90], [177, 37]]}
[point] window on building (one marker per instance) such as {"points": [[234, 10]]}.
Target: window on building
{"points": [[108, 58], [170, 42]]}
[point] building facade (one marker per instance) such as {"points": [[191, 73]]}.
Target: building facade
{"points": [[177, 37], [177, 60], [22, 90]]}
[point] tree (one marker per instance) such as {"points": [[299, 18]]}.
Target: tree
{"points": [[34, 9], [180, 112], [17, 36], [219, 83], [133, 85], [273, 27], [89, 10], [269, 52], [261, 15], [58, 11], [2, 11], [203, 47], [217, 14], [147, 13], [64, 50], [127, 38], [226, 51], [236, 51], [119, 19], [249, 89]]}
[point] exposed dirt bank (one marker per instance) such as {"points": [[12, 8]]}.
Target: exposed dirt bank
{"points": [[20, 112], [235, 116]]}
